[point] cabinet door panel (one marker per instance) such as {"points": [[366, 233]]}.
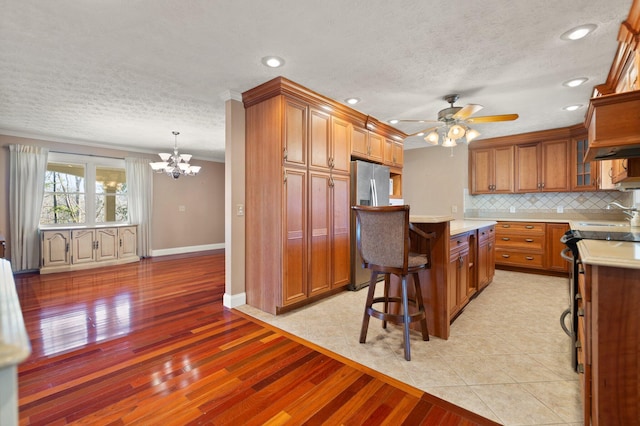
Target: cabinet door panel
{"points": [[295, 132], [319, 139], [359, 142], [481, 176], [320, 243], [55, 248], [376, 147], [294, 275], [107, 244], [555, 166], [128, 242], [341, 235], [527, 179], [341, 144], [503, 169], [82, 247]]}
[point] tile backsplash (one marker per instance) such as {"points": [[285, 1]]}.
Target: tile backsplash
{"points": [[550, 203]]}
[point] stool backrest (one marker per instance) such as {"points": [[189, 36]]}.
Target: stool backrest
{"points": [[382, 236]]}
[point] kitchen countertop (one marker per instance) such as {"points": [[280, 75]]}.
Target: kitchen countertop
{"points": [[459, 226], [421, 218], [620, 254]]}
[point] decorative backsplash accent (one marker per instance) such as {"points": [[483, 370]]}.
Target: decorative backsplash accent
{"points": [[548, 202]]}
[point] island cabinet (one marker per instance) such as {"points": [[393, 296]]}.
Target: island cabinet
{"points": [[491, 170], [67, 249], [486, 256], [553, 260], [298, 195], [542, 167], [609, 345], [460, 279]]}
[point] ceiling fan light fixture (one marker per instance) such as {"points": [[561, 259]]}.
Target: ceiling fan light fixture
{"points": [[578, 32], [449, 143], [472, 134], [456, 132], [432, 138], [575, 82]]}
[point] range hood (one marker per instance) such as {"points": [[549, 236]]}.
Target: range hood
{"points": [[613, 123]]}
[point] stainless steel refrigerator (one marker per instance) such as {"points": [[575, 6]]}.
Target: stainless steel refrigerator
{"points": [[369, 187]]}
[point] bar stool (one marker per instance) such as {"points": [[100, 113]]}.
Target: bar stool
{"points": [[382, 238]]}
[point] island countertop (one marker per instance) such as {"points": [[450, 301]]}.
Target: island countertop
{"points": [[459, 226], [429, 218]]}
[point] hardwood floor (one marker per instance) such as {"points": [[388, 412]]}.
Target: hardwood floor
{"points": [[150, 343]]}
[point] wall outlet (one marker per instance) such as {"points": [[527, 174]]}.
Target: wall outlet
{"points": [[512, 209], [182, 208], [454, 209], [560, 209], [240, 210]]}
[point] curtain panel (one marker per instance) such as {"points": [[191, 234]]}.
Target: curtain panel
{"points": [[27, 167], [140, 199]]}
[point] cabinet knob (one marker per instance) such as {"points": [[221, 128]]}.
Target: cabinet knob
{"points": [[578, 296], [580, 312], [580, 368], [578, 344]]}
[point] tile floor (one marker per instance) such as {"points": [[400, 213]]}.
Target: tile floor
{"points": [[507, 358]]}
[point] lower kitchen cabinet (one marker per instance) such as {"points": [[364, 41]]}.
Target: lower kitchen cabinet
{"points": [[531, 245], [83, 248], [460, 285], [486, 256]]}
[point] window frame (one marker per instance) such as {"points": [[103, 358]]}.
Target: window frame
{"points": [[90, 162]]}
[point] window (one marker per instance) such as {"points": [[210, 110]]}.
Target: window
{"points": [[84, 190]]}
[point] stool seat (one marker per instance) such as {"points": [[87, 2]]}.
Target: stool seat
{"points": [[383, 241]]}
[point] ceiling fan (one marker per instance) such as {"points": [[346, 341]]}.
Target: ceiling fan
{"points": [[453, 123]]}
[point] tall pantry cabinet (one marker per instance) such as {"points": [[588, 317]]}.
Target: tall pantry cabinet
{"points": [[297, 196]]}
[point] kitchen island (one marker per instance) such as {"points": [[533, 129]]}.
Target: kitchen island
{"points": [[436, 282], [608, 327]]}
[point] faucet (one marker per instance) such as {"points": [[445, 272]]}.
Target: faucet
{"points": [[632, 212]]}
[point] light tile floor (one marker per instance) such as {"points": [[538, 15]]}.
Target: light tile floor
{"points": [[507, 358]]}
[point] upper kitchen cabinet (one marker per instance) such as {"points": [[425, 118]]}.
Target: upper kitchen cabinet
{"points": [[612, 117], [329, 142], [542, 167], [585, 175], [491, 170], [294, 128], [393, 153]]}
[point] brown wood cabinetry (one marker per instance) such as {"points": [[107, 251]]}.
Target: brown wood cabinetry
{"points": [[554, 247], [608, 324], [542, 167], [491, 170], [520, 244], [297, 201], [368, 145], [486, 256], [585, 176], [393, 153], [460, 285], [625, 169]]}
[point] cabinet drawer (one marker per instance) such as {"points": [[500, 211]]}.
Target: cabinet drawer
{"points": [[527, 260], [459, 242], [486, 233], [533, 242], [520, 227]]}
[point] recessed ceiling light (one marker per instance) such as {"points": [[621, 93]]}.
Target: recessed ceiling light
{"points": [[394, 121], [352, 101], [578, 32], [575, 82], [273, 61], [572, 107]]}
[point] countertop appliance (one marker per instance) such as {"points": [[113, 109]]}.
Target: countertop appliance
{"points": [[369, 187]]}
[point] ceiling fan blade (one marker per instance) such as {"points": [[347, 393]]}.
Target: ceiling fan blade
{"points": [[467, 111], [418, 121], [425, 131], [492, 118]]}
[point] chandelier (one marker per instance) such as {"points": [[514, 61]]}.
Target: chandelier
{"points": [[175, 165], [451, 134]]}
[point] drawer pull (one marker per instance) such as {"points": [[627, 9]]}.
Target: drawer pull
{"points": [[506, 226], [580, 312], [529, 226], [529, 257], [578, 344], [506, 256], [506, 239], [580, 368], [578, 296], [529, 240]]}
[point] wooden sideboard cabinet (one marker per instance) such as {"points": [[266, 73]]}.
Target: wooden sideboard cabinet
{"points": [[68, 249]]}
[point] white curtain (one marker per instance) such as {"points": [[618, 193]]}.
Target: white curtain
{"points": [[27, 167], [140, 196]]}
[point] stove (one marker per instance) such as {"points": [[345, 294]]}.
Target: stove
{"points": [[606, 235]]}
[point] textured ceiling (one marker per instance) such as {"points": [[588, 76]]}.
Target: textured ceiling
{"points": [[126, 73]]}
